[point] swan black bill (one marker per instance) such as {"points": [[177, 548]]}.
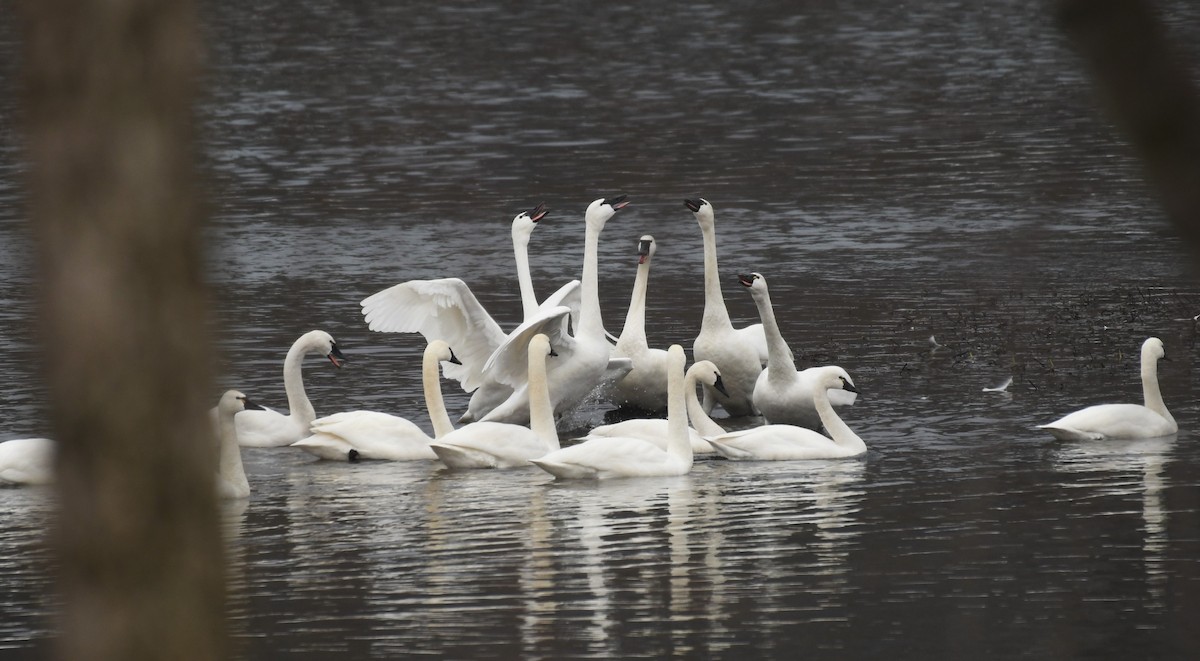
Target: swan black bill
{"points": [[746, 280], [336, 357], [692, 205], [618, 202], [251, 406], [539, 212]]}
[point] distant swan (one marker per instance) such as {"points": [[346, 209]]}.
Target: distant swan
{"points": [[355, 435], [786, 442], [783, 394], [504, 445], [231, 476], [738, 352], [655, 429], [446, 309], [27, 461], [608, 457], [267, 428], [645, 386], [1123, 421]]}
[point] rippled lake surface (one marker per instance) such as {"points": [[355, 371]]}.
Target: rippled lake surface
{"points": [[895, 170]]}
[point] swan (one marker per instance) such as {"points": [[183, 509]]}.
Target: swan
{"points": [[611, 457], [645, 386], [584, 358], [267, 428], [738, 352], [231, 476], [782, 442], [655, 429], [27, 461], [503, 445], [1123, 421], [446, 309], [354, 435], [781, 393]]}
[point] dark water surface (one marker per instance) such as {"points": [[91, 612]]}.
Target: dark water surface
{"points": [[895, 170]]}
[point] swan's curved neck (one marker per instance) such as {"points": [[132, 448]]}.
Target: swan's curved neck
{"points": [[678, 443], [299, 407], [590, 321], [541, 411], [230, 464], [528, 297], [838, 430], [714, 301], [634, 330], [779, 357], [432, 384], [1151, 394], [696, 415]]}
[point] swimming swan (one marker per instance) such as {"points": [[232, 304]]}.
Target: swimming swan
{"points": [[655, 429], [231, 476], [776, 442], [268, 428], [608, 457], [1123, 421], [503, 445], [739, 353], [27, 461], [644, 387], [783, 394], [355, 435], [583, 357], [446, 309]]}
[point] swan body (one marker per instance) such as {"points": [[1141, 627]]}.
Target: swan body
{"points": [[264, 427], [231, 480], [608, 457], [1123, 421], [583, 357], [738, 352], [655, 429], [782, 394], [27, 461], [446, 309], [777, 442], [645, 386], [504, 445], [355, 435]]}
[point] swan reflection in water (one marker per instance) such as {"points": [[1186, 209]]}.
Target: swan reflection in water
{"points": [[1128, 468]]}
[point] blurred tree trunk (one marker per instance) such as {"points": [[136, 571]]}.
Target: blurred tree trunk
{"points": [[109, 89]]}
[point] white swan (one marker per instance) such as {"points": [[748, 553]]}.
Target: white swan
{"points": [[1123, 421], [739, 353], [231, 476], [354, 435], [784, 442], [502, 445], [267, 428], [609, 457], [27, 461], [655, 429], [583, 357], [446, 309], [782, 394], [645, 386]]}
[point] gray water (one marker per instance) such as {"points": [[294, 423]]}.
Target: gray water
{"points": [[896, 170]]}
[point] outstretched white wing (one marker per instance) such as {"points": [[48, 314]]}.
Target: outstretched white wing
{"points": [[509, 363]]}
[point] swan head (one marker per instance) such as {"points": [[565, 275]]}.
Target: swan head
{"points": [[646, 248], [233, 401], [599, 211], [836, 378], [321, 342], [706, 372], [540, 346], [524, 222], [702, 209], [755, 282], [1153, 349], [440, 351]]}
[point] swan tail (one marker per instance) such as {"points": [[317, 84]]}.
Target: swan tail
{"points": [[729, 451], [461, 458], [565, 470], [1069, 434]]}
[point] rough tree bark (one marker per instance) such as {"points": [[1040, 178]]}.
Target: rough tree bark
{"points": [[109, 88]]}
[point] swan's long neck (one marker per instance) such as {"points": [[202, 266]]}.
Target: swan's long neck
{"points": [[634, 330], [230, 464], [779, 357], [838, 430], [541, 411], [714, 301], [528, 297], [1151, 395], [678, 443], [696, 415], [432, 383], [590, 322], [299, 407]]}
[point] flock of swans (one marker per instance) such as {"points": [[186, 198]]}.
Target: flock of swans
{"points": [[522, 382]]}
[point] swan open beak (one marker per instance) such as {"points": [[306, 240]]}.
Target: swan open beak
{"points": [[618, 202], [336, 357], [643, 251], [746, 280], [692, 205], [538, 212]]}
